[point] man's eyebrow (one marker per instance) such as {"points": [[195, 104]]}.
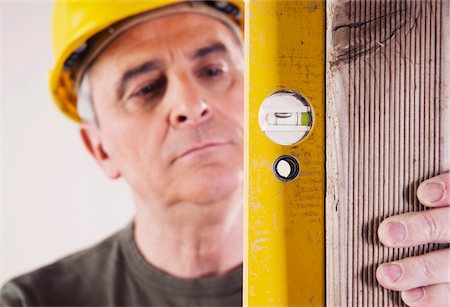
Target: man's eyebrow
{"points": [[215, 47], [133, 73]]}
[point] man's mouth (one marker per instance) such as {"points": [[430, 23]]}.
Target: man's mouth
{"points": [[198, 148]]}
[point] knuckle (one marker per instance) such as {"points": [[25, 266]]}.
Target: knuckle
{"points": [[426, 269], [431, 228]]}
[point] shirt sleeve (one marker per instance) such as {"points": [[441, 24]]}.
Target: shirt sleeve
{"points": [[12, 296]]}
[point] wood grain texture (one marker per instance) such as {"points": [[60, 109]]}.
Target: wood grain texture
{"points": [[388, 129]]}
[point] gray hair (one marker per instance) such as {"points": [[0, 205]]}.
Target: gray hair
{"points": [[85, 105]]}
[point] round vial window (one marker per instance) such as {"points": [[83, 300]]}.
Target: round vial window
{"points": [[286, 117]]}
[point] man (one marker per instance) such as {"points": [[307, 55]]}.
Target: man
{"points": [[167, 95], [160, 96]]}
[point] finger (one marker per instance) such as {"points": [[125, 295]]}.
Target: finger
{"points": [[435, 192], [435, 295], [409, 273], [414, 228]]}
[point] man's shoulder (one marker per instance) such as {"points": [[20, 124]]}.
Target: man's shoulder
{"points": [[71, 273], [80, 262]]}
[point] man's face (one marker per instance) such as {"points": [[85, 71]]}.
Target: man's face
{"points": [[169, 100]]}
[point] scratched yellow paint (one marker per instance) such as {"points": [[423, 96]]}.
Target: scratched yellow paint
{"points": [[284, 242]]}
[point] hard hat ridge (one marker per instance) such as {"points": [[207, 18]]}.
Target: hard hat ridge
{"points": [[226, 8]]}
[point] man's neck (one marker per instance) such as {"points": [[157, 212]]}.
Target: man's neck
{"points": [[190, 240]]}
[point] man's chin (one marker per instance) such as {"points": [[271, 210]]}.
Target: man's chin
{"points": [[209, 190]]}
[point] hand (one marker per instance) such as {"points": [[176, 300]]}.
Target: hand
{"points": [[423, 280]]}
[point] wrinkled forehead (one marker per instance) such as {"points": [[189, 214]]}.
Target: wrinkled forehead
{"points": [[182, 33]]}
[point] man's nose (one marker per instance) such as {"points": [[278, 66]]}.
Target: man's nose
{"points": [[189, 108]]}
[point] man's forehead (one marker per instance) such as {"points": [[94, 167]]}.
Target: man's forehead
{"points": [[186, 32]]}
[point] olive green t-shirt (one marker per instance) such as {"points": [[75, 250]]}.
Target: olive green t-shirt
{"points": [[114, 273]]}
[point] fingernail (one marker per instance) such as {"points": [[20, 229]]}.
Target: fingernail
{"points": [[391, 272], [413, 295], [396, 231], [432, 192]]}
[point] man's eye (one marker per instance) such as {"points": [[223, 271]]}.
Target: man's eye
{"points": [[212, 72], [151, 89]]}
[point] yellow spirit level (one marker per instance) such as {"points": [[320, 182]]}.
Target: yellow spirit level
{"points": [[285, 141]]}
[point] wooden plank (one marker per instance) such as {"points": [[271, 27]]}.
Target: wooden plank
{"points": [[388, 129]]}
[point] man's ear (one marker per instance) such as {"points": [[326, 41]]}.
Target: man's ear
{"points": [[92, 140]]}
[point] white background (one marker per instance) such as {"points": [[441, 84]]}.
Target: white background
{"points": [[54, 199]]}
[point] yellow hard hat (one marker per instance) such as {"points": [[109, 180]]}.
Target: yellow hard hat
{"points": [[76, 22]]}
